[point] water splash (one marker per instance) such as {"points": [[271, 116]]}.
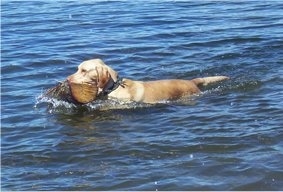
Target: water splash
{"points": [[60, 106], [52, 104]]}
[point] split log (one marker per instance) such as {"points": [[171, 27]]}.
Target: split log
{"points": [[73, 93]]}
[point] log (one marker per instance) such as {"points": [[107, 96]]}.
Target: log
{"points": [[73, 93]]}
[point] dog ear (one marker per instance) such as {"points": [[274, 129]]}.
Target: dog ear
{"points": [[103, 77], [113, 74]]}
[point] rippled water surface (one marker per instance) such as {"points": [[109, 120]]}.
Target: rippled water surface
{"points": [[228, 138]]}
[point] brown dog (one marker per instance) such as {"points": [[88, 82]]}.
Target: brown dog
{"points": [[96, 73]]}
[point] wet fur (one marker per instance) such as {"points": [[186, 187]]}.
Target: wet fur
{"points": [[138, 91]]}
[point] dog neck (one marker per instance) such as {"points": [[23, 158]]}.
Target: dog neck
{"points": [[112, 86]]}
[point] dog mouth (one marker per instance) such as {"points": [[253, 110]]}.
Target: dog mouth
{"points": [[83, 92]]}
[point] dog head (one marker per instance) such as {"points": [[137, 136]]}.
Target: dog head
{"points": [[92, 78]]}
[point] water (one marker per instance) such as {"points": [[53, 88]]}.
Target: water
{"points": [[228, 138]]}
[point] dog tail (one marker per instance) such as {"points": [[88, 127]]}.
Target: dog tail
{"points": [[207, 80]]}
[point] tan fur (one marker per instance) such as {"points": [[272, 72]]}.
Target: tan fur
{"points": [[139, 91]]}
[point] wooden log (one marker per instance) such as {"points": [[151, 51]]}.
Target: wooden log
{"points": [[73, 93]]}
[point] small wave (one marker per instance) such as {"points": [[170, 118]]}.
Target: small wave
{"points": [[60, 106], [55, 105]]}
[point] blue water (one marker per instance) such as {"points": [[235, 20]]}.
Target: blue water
{"points": [[227, 138]]}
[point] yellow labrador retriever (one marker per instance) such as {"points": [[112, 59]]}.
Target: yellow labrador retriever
{"points": [[96, 73]]}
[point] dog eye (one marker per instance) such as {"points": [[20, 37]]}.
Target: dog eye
{"points": [[83, 70]]}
